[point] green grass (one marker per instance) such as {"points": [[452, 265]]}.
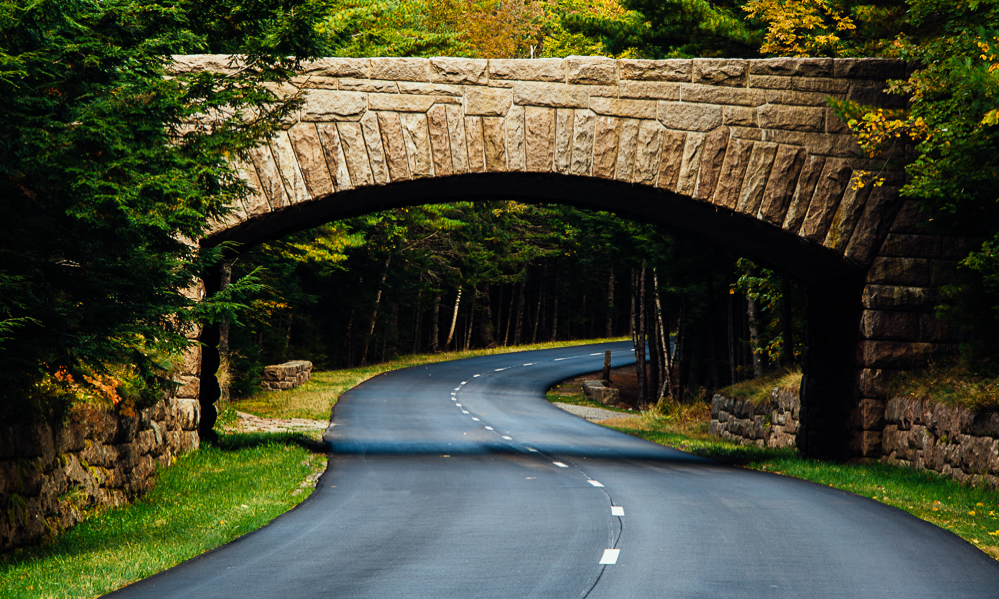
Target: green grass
{"points": [[316, 398], [758, 390], [950, 384], [209, 497], [970, 512]]}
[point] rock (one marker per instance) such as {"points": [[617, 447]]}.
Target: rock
{"points": [[598, 391]]}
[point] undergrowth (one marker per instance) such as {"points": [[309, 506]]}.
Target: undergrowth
{"points": [[952, 384], [758, 390]]}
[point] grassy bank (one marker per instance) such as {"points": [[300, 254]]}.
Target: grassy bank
{"points": [[316, 398], [970, 512], [209, 497]]}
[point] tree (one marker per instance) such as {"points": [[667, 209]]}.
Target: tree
{"points": [[106, 166]]}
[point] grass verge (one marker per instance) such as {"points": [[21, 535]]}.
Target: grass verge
{"points": [[970, 512], [316, 398], [951, 384], [570, 392], [209, 497]]}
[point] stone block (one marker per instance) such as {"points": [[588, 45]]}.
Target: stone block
{"points": [[796, 98], [847, 215], [440, 143], [892, 297], [732, 173], [458, 70], [311, 159], [269, 177], [402, 102], [874, 223], [873, 93], [649, 90], [793, 67], [637, 109], [605, 146], [475, 144], [394, 144], [867, 444], [731, 73], [656, 70], [338, 67], [829, 190], [757, 174], [355, 152], [711, 94], [739, 115], [598, 391], [712, 157], [689, 117], [539, 69], [792, 118], [487, 101], [494, 144], [456, 137], [516, 151], [869, 415], [591, 70], [417, 137], [870, 68], [325, 105], [781, 184], [820, 85], [626, 146], [904, 272], [369, 86], [894, 355], [431, 89], [540, 131], [550, 95], [650, 139], [584, 124], [690, 164], [400, 69], [671, 159]]}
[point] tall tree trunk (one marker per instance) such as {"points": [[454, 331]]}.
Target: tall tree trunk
{"points": [[418, 320], [541, 298], [787, 321], [486, 337], [471, 321], [374, 312], [638, 335], [665, 364], [454, 320], [520, 310], [679, 350], [558, 271], [654, 356], [435, 324], [509, 314], [610, 302], [224, 373]]}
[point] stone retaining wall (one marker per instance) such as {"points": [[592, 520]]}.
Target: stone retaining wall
{"points": [[289, 375], [772, 424], [950, 440], [50, 477]]}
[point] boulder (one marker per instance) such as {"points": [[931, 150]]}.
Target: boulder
{"points": [[599, 391]]}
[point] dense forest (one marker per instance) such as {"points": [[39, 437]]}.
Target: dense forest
{"points": [[104, 174]]}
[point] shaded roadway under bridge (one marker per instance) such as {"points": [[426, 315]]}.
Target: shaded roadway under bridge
{"points": [[745, 153]]}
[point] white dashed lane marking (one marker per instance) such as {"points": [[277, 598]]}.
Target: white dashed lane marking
{"points": [[596, 354], [529, 364], [594, 483], [475, 376], [458, 404], [560, 359], [617, 510], [559, 464], [531, 449], [464, 411], [475, 419], [489, 428], [508, 438], [610, 557], [499, 370]]}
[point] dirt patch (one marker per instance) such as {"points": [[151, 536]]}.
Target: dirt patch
{"points": [[248, 423]]}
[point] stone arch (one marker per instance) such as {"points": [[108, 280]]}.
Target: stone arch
{"points": [[745, 152]]}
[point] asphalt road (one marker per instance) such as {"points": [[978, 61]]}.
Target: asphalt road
{"points": [[460, 480]]}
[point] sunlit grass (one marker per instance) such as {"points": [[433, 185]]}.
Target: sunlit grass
{"points": [[209, 497], [970, 512], [950, 384], [316, 398], [758, 390]]}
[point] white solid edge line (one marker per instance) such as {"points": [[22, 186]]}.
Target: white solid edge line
{"points": [[559, 359], [475, 419], [560, 464], [595, 483], [508, 438], [499, 370], [610, 557], [596, 354], [617, 510], [529, 364]]}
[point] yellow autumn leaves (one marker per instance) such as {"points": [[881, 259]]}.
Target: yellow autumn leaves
{"points": [[799, 28]]}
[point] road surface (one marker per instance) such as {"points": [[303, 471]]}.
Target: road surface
{"points": [[459, 480]]}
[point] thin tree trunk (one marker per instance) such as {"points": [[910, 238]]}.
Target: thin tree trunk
{"points": [[610, 302], [679, 347], [558, 272], [486, 337], [666, 363], [520, 310], [655, 357], [418, 320], [509, 314], [787, 322], [471, 321], [541, 297], [435, 325], [638, 334], [374, 311], [223, 344], [454, 320]]}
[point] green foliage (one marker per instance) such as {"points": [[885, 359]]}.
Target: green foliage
{"points": [[766, 288], [104, 174], [674, 29]]}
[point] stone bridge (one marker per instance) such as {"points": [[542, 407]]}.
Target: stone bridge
{"points": [[745, 153]]}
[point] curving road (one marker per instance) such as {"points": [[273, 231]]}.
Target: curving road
{"points": [[459, 480]]}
